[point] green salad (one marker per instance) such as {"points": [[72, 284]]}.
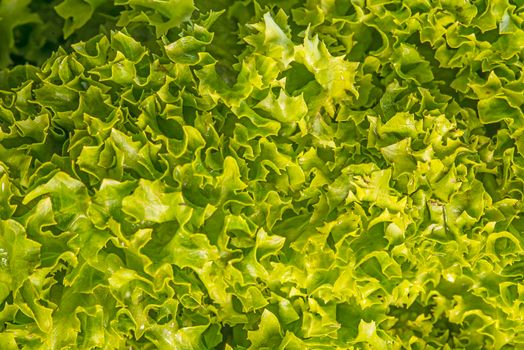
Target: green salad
{"points": [[256, 174]]}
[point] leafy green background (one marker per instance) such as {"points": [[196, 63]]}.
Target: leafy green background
{"points": [[261, 175]]}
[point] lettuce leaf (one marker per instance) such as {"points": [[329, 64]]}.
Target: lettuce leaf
{"points": [[184, 174]]}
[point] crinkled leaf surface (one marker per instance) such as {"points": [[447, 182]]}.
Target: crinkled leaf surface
{"points": [[179, 174]]}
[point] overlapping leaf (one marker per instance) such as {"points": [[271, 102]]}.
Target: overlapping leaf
{"points": [[262, 175]]}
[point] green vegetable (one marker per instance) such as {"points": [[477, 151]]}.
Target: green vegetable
{"points": [[179, 174]]}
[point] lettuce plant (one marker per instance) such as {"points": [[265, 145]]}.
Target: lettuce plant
{"points": [[328, 174]]}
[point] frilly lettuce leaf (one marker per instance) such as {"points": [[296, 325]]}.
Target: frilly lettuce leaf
{"points": [[261, 175]]}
